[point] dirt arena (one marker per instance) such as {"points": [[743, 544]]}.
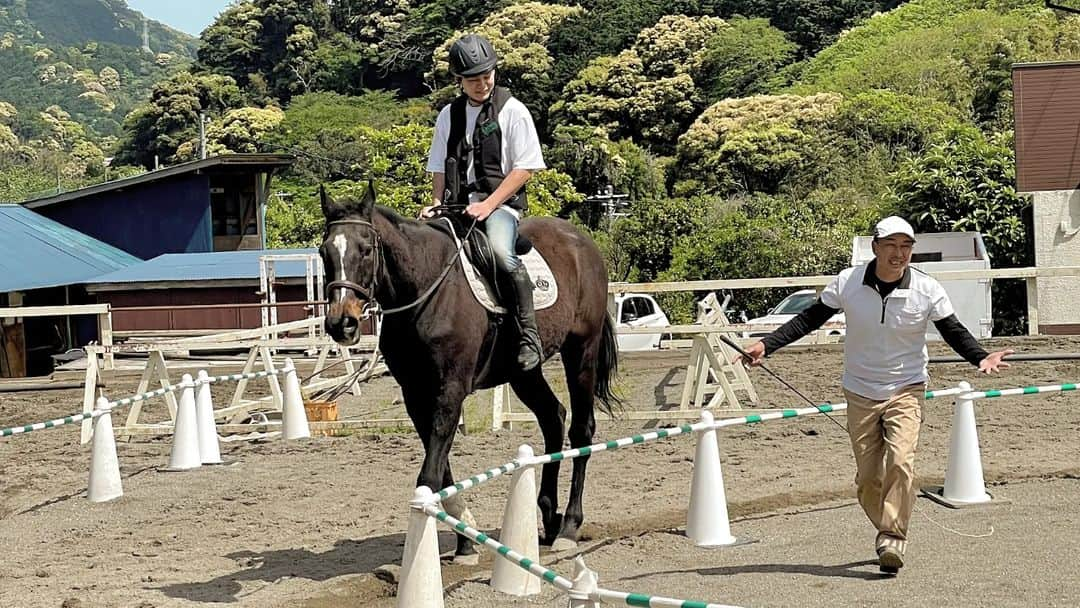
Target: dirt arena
{"points": [[308, 524]]}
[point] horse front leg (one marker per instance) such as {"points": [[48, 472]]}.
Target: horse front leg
{"points": [[436, 472]]}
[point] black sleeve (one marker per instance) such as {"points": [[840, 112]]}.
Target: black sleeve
{"points": [[960, 339], [805, 322]]}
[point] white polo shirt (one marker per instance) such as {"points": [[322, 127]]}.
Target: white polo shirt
{"points": [[885, 346]]}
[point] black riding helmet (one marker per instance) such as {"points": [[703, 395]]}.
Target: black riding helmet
{"points": [[472, 55]]}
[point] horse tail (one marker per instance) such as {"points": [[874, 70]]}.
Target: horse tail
{"points": [[607, 366]]}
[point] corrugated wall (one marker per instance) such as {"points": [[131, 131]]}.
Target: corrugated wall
{"points": [[1047, 106], [168, 216]]}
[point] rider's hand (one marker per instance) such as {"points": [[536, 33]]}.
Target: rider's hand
{"points": [[756, 352], [429, 211], [480, 211]]}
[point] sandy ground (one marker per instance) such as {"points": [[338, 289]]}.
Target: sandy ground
{"points": [[307, 524]]}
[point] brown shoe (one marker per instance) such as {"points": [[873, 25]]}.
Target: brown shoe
{"points": [[890, 560]]}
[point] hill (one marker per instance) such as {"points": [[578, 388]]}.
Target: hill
{"points": [[81, 61]]}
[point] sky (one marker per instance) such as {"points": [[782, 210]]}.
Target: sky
{"points": [[190, 16]]}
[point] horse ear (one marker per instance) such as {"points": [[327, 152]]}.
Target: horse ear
{"points": [[368, 204], [330, 208]]}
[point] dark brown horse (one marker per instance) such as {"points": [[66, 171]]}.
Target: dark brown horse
{"points": [[435, 345]]}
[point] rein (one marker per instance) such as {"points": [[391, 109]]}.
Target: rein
{"points": [[369, 292]]}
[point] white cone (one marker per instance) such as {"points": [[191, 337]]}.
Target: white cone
{"points": [[105, 481], [707, 522], [586, 584], [519, 532], [963, 473], [420, 585], [185, 447], [294, 422], [209, 449]]}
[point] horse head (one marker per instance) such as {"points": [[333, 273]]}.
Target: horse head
{"points": [[351, 256]]}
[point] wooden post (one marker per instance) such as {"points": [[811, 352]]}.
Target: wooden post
{"points": [[12, 348], [89, 395], [105, 335], [1033, 305]]}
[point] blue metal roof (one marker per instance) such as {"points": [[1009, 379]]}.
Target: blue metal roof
{"points": [[222, 265], [36, 252]]}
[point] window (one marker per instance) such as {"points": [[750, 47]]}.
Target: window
{"points": [[645, 307], [629, 310]]}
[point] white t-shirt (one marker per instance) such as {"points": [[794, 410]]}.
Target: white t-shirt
{"points": [[520, 143], [885, 346]]}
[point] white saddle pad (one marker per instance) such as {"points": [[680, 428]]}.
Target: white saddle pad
{"points": [[545, 289]]}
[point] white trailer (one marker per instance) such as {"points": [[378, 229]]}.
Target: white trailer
{"points": [[940, 251]]}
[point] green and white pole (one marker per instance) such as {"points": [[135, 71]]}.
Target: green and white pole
{"points": [[431, 509], [1027, 390], [49, 424]]}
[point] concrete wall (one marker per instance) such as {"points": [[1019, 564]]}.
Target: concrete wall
{"points": [[1057, 243]]}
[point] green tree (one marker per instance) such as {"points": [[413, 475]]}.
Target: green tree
{"points": [[744, 59], [759, 144], [966, 183], [268, 43], [171, 117], [767, 236], [813, 24], [596, 162], [646, 92], [650, 231]]}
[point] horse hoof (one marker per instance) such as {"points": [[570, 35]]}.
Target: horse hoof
{"points": [[563, 544], [472, 559]]}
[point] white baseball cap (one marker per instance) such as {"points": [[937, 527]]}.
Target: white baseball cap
{"points": [[893, 225]]}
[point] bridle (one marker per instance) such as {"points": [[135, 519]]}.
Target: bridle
{"points": [[368, 292]]}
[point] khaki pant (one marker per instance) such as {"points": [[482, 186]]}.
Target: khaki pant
{"points": [[884, 436]]}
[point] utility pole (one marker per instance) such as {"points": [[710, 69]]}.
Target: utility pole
{"points": [[203, 121]]}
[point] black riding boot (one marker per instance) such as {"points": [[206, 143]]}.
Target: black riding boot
{"points": [[529, 353]]}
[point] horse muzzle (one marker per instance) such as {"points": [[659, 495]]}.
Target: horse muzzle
{"points": [[343, 321]]}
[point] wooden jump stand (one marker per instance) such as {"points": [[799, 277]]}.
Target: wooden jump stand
{"points": [[714, 371], [714, 368], [260, 358]]}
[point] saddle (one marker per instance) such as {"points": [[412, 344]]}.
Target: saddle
{"points": [[477, 249], [483, 274]]}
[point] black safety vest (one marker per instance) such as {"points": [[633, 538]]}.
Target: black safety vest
{"points": [[485, 145]]}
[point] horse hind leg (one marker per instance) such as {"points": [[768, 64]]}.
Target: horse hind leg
{"points": [[536, 394], [579, 362]]}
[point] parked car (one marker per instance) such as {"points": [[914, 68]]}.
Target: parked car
{"points": [[787, 309], [638, 310]]}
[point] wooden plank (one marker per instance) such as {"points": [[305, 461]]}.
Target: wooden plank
{"points": [[53, 311], [89, 397], [154, 430], [105, 336], [819, 280]]}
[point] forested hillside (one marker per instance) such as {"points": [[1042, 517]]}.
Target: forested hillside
{"points": [[70, 71], [753, 138]]}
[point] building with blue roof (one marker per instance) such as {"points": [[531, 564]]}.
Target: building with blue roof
{"points": [[212, 204], [42, 263], [37, 253], [191, 292]]}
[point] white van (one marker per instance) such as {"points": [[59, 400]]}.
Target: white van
{"points": [[638, 310]]}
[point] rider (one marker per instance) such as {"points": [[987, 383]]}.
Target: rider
{"points": [[484, 150]]}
